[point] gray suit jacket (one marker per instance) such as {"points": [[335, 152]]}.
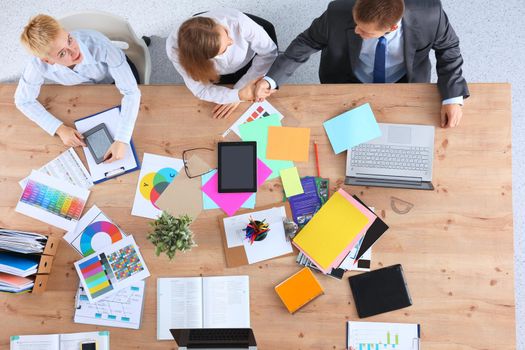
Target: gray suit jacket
{"points": [[425, 27]]}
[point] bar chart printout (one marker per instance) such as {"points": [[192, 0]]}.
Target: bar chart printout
{"points": [[381, 336]]}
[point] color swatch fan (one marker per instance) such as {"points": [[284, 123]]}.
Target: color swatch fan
{"points": [[94, 232], [156, 174]]}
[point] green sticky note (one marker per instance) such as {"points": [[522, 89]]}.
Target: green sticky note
{"points": [[15, 337], [291, 182], [257, 131], [104, 333]]}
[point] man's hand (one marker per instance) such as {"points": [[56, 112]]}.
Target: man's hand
{"points": [[224, 111], [70, 137], [115, 152], [262, 90], [247, 93], [451, 115]]}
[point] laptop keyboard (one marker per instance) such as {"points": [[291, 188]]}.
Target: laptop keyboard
{"points": [[211, 334], [391, 157]]}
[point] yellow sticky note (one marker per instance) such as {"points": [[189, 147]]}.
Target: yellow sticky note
{"points": [[286, 143], [291, 182]]}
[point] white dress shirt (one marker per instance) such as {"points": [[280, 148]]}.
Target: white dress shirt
{"points": [[102, 63], [250, 40], [394, 61]]}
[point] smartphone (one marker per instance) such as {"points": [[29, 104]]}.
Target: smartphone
{"points": [[88, 345]]}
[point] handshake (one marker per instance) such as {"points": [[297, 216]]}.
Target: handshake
{"points": [[256, 90]]}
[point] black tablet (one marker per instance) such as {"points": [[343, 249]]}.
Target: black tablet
{"points": [[98, 140], [237, 167], [380, 291]]}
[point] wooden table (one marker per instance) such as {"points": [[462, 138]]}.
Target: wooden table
{"points": [[455, 245]]}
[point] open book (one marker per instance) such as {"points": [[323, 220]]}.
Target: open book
{"points": [[202, 302], [70, 341]]}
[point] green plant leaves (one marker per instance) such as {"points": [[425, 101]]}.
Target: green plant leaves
{"points": [[170, 234]]}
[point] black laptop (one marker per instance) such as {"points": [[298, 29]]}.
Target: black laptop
{"points": [[214, 338]]}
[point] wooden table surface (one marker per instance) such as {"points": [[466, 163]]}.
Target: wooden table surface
{"points": [[455, 245]]}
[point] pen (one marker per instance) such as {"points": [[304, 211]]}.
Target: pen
{"points": [[317, 159]]}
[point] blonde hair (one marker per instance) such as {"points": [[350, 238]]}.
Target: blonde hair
{"points": [[39, 33], [199, 41]]}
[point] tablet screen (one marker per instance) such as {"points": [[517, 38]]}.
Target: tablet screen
{"points": [[237, 167], [99, 142]]}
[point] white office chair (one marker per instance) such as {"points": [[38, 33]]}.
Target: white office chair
{"points": [[116, 29]]}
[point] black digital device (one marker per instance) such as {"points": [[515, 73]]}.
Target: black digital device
{"points": [[88, 345], [98, 140], [380, 291], [237, 168]]}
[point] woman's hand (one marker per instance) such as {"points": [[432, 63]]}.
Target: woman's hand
{"points": [[115, 152], [70, 137], [224, 111]]}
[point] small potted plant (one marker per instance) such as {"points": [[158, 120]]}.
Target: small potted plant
{"points": [[171, 234]]}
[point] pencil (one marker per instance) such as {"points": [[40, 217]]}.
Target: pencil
{"points": [[317, 159]]}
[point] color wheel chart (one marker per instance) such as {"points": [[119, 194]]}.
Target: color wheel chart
{"points": [[153, 184], [99, 227], [52, 200], [96, 277]]}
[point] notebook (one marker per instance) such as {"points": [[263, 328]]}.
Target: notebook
{"points": [[123, 309], [380, 291], [202, 302], [299, 289], [334, 230], [65, 341], [14, 284]]}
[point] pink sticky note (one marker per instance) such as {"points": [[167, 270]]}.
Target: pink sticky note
{"points": [[231, 202]]}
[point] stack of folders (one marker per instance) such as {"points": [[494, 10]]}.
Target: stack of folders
{"points": [[338, 235], [15, 265], [22, 242]]}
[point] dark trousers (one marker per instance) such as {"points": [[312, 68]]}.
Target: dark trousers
{"points": [[235, 77]]}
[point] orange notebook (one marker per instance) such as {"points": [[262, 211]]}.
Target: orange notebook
{"points": [[299, 289]]}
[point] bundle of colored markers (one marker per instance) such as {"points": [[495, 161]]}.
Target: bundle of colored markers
{"points": [[256, 230]]}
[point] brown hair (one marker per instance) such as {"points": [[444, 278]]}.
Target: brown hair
{"points": [[385, 13], [199, 41], [39, 34]]}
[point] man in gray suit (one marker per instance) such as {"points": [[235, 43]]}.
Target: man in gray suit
{"points": [[379, 41]]}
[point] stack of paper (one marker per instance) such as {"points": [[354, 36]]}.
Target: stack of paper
{"points": [[22, 242], [14, 284], [257, 131], [18, 265], [334, 231]]}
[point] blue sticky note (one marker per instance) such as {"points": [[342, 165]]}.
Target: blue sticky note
{"points": [[352, 128], [208, 203]]}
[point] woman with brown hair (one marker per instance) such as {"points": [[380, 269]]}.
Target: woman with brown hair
{"points": [[222, 46]]}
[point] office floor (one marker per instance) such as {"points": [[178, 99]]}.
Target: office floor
{"points": [[490, 42]]}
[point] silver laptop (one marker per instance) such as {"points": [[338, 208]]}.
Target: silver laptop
{"points": [[401, 158], [215, 338]]}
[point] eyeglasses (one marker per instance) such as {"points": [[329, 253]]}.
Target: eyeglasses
{"points": [[194, 166]]}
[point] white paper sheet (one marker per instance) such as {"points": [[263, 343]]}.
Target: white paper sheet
{"points": [[111, 118], [93, 232], [255, 111], [35, 342], [156, 174], [179, 305], [389, 336], [68, 167], [119, 265], [226, 302], [52, 201], [123, 309]]}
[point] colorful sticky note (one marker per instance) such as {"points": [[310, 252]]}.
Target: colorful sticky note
{"points": [[207, 203], [257, 131], [231, 202], [291, 182], [286, 143], [352, 128]]}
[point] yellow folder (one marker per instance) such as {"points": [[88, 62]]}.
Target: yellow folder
{"points": [[334, 230], [299, 289]]}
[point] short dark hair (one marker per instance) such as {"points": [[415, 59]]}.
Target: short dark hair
{"points": [[385, 13]]}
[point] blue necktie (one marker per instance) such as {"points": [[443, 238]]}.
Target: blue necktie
{"points": [[379, 62]]}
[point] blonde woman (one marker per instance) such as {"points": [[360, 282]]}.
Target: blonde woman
{"points": [[72, 58], [222, 46]]}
